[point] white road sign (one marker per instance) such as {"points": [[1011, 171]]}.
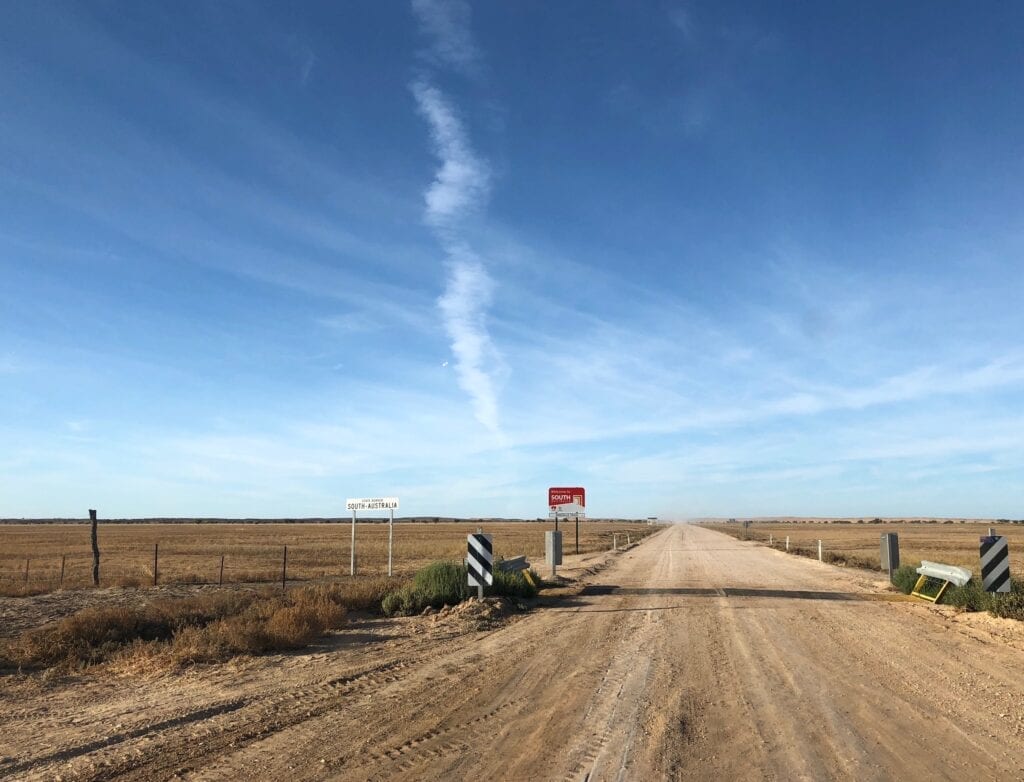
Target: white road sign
{"points": [[372, 503]]}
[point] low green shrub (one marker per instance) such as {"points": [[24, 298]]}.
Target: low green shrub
{"points": [[447, 583], [904, 578], [1010, 606], [513, 584], [441, 583], [969, 597]]}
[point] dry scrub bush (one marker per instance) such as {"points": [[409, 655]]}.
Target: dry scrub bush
{"points": [[204, 628]]}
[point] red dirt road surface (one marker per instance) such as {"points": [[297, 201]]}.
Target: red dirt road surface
{"points": [[690, 656]]}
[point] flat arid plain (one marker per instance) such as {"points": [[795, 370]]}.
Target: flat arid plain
{"points": [[690, 655]]}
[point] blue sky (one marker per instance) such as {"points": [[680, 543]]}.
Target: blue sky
{"points": [[700, 258]]}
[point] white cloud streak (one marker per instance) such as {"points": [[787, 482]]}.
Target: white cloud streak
{"points": [[464, 306], [459, 190], [461, 184]]}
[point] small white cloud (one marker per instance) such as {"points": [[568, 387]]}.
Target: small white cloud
{"points": [[447, 24]]}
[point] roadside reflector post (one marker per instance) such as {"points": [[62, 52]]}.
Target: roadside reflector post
{"points": [[819, 551], [615, 542], [628, 541], [480, 561], [391, 538], [890, 553], [771, 540], [787, 542], [995, 564]]}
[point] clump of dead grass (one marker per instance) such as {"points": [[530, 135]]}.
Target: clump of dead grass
{"points": [[210, 627]]}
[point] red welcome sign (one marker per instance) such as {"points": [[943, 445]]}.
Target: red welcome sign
{"points": [[566, 495]]}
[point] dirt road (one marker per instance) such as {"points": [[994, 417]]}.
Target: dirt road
{"points": [[691, 656]]}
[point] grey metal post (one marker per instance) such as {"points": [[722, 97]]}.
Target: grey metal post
{"points": [[391, 537], [352, 557], [577, 533], [890, 554]]}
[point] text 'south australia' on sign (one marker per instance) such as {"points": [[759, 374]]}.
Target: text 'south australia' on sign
{"points": [[372, 503]]}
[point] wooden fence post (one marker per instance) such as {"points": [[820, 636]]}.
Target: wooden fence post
{"points": [[221, 581], [63, 558], [26, 571], [95, 550], [284, 569], [156, 561]]}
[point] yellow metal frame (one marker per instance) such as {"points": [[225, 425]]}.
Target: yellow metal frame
{"points": [[919, 586]]}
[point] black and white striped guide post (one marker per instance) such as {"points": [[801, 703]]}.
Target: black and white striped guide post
{"points": [[995, 564], [480, 561]]}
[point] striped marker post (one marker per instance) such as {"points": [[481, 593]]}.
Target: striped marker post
{"points": [[995, 564], [480, 561]]}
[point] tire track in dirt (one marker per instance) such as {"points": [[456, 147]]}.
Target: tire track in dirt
{"points": [[249, 719]]}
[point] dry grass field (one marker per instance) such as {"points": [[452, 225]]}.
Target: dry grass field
{"points": [[859, 544], [191, 553]]}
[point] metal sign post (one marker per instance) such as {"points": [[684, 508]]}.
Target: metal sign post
{"points": [[369, 503], [391, 538], [352, 551]]}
